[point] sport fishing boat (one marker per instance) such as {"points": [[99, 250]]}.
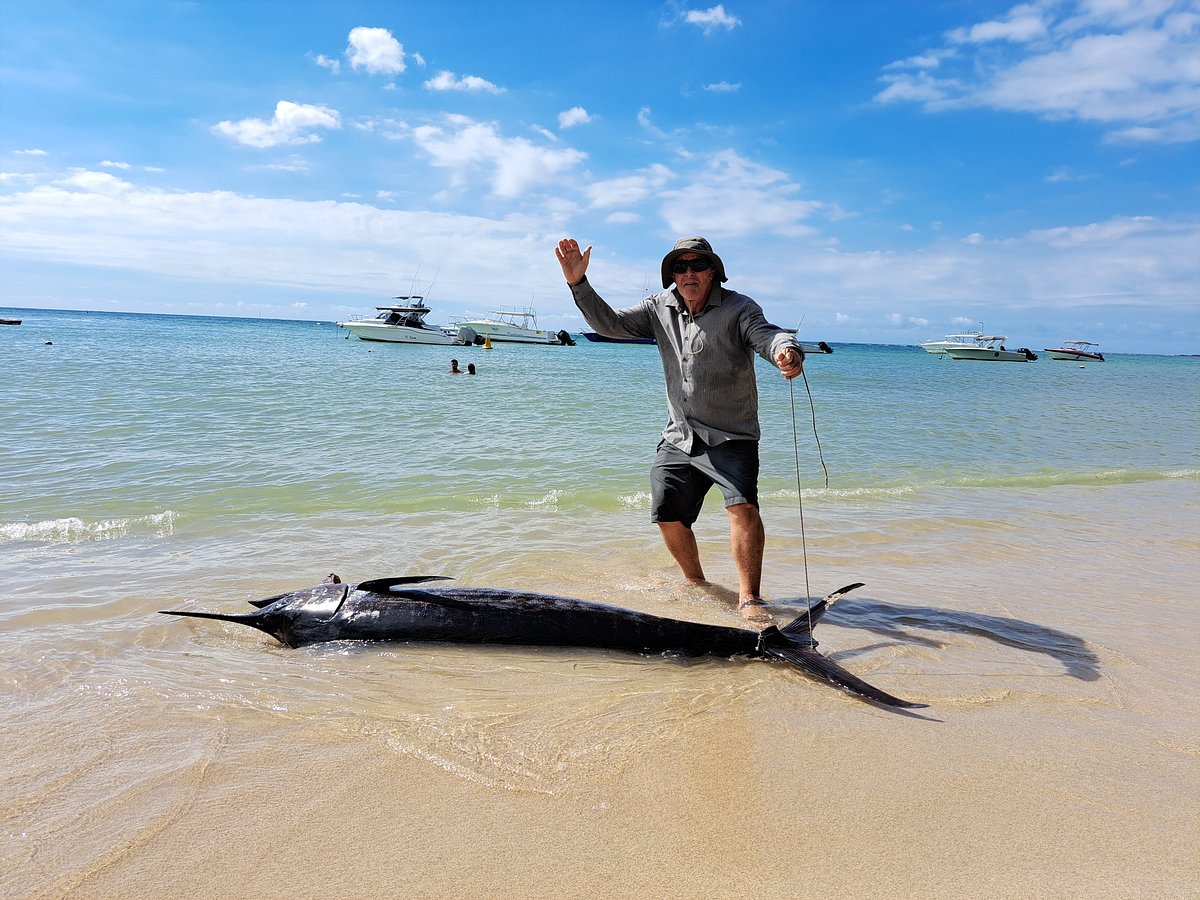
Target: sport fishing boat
{"points": [[1076, 350], [992, 349], [512, 324], [401, 323], [965, 339]]}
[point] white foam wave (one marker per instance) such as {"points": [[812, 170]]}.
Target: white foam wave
{"points": [[73, 529], [636, 500]]}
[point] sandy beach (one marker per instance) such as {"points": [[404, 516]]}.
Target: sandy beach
{"points": [[1058, 756]]}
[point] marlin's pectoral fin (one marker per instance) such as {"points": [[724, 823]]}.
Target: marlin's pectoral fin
{"points": [[823, 667]]}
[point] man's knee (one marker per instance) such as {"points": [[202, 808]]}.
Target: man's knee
{"points": [[743, 512]]}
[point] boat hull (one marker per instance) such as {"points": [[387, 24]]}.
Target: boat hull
{"points": [[502, 333], [1074, 354], [988, 354], [396, 334], [939, 348]]}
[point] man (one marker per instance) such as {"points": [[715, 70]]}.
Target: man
{"points": [[707, 337]]}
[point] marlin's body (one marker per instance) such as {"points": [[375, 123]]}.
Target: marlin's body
{"points": [[392, 609]]}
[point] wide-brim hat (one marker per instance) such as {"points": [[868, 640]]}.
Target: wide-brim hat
{"points": [[691, 245]]}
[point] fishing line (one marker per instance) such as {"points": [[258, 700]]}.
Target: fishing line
{"points": [[800, 493]]}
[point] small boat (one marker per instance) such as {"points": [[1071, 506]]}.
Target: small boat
{"points": [[402, 323], [601, 339], [992, 349], [513, 324], [964, 339], [10, 321], [1076, 350]]}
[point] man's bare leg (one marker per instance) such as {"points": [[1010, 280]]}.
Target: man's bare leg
{"points": [[747, 538], [681, 541]]}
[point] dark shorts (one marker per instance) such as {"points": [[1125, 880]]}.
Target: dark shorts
{"points": [[679, 480]]}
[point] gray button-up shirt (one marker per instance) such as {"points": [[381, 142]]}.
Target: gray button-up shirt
{"points": [[708, 358]]}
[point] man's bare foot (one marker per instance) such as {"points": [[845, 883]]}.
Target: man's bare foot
{"points": [[754, 611]]}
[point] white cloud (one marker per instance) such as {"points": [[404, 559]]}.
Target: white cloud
{"points": [[513, 166], [1063, 174], [1130, 66], [94, 182], [1024, 23], [735, 196], [292, 164], [930, 60], [644, 120], [375, 50], [110, 164], [628, 190], [333, 65], [723, 87], [221, 238], [33, 152], [711, 19], [94, 219], [576, 115], [293, 123], [447, 81]]}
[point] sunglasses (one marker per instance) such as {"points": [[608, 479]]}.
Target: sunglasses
{"points": [[696, 265]]}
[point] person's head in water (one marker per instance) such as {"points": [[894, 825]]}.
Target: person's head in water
{"points": [[470, 368], [454, 369]]}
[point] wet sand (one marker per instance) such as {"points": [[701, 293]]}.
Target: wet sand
{"points": [[1059, 653]]}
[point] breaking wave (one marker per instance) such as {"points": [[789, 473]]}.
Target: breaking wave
{"points": [[73, 530]]}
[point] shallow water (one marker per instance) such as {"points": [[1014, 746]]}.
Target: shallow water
{"points": [[1028, 535]]}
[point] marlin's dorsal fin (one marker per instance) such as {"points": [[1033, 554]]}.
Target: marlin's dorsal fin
{"points": [[383, 585]]}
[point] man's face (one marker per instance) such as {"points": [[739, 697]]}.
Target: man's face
{"points": [[693, 286]]}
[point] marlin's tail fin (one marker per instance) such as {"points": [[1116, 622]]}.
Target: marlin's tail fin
{"points": [[795, 644]]}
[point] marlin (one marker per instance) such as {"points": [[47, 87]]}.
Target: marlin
{"points": [[393, 609]]}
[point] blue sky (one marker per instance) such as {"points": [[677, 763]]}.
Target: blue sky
{"points": [[885, 171]]}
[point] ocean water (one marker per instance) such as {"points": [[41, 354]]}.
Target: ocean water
{"points": [[1028, 534]]}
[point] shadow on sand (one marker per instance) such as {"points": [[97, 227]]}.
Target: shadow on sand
{"points": [[890, 619]]}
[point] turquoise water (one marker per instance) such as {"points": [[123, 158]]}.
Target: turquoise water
{"points": [[130, 417], [1027, 534]]}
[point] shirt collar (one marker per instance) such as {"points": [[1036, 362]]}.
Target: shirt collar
{"points": [[716, 294]]}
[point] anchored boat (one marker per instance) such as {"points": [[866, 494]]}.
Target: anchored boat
{"points": [[513, 324], [402, 323], [963, 339], [991, 349], [1076, 350]]}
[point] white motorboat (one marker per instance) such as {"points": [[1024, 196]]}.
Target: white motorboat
{"points": [[513, 324], [965, 339], [401, 323], [992, 349], [1076, 350]]}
